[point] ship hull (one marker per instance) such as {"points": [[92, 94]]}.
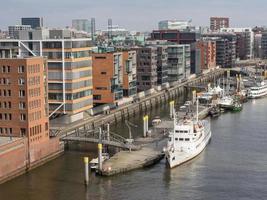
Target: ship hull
{"points": [[183, 157]]}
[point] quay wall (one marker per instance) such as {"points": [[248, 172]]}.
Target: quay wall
{"points": [[15, 156], [142, 105]]}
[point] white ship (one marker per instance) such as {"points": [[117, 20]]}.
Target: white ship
{"points": [[258, 91], [187, 140], [226, 102]]}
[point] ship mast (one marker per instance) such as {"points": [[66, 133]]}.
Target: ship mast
{"points": [[197, 109]]}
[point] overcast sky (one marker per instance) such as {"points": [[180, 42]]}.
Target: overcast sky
{"points": [[142, 15]]}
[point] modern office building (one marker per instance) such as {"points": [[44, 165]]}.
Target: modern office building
{"points": [[82, 25], [180, 25], [146, 67], [13, 31], [188, 37], [257, 45], [178, 62], [34, 22], [216, 23], [169, 35], [179, 37], [225, 48], [129, 73], [162, 66], [107, 77], [264, 45], [69, 66], [93, 28], [245, 41]]}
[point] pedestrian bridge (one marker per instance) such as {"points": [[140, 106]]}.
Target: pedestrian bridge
{"points": [[109, 139]]}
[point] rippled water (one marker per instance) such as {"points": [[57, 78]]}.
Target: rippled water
{"points": [[233, 166]]}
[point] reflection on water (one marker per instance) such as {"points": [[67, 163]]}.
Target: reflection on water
{"points": [[233, 166]]}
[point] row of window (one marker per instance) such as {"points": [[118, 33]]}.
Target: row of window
{"points": [[5, 104], [5, 93], [5, 81], [35, 116], [22, 93], [7, 131], [5, 69], [36, 92], [35, 104], [35, 130], [5, 116], [34, 68], [34, 80]]}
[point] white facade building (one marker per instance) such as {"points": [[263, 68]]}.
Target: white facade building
{"points": [[174, 25]]}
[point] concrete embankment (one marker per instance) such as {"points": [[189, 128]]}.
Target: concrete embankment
{"points": [[143, 105]]}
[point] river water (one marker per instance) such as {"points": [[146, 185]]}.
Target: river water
{"points": [[233, 166]]}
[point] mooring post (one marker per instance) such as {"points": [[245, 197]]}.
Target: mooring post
{"points": [[108, 132], [99, 157], [171, 109], [145, 118], [86, 170], [100, 151]]}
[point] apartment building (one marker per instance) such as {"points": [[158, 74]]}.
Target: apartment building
{"points": [[34, 22], [129, 73], [225, 48], [107, 77], [69, 66], [244, 41], [146, 67], [24, 126], [23, 102], [216, 23], [162, 66], [13, 31], [178, 62]]}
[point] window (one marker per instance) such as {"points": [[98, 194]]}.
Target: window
{"points": [[22, 117], [8, 69], [181, 139], [97, 97], [21, 69], [22, 132], [22, 93], [103, 72], [22, 105], [21, 81], [176, 139], [186, 139]]}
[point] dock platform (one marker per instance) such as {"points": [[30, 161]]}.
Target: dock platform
{"points": [[125, 161]]}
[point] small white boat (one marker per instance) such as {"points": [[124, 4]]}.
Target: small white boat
{"points": [[94, 162], [226, 102], [156, 121]]}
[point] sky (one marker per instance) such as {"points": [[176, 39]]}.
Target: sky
{"points": [[140, 15]]}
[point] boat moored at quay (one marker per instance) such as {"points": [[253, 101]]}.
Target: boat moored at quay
{"points": [[188, 139]]}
